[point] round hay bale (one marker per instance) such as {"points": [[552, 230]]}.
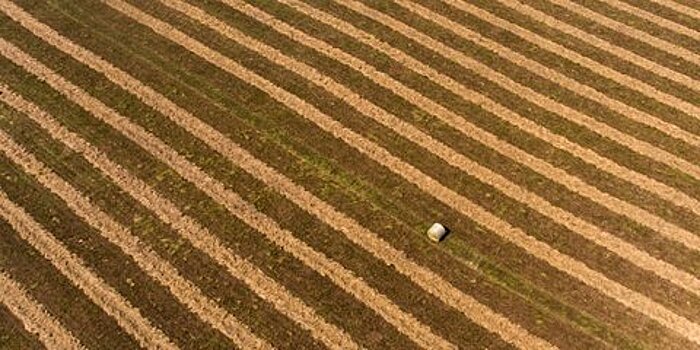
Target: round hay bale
{"points": [[437, 232]]}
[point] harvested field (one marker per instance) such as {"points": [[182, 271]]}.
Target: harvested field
{"points": [[260, 174]]}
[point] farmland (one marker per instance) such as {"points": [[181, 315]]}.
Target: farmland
{"points": [[232, 174]]}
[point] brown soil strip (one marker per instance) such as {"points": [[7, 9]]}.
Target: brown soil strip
{"points": [[630, 31], [620, 247], [34, 317], [73, 268], [225, 323], [651, 17], [650, 25], [182, 288], [13, 334], [425, 278], [684, 18], [584, 90], [641, 147], [563, 262], [686, 10], [199, 236], [624, 54], [553, 173]]}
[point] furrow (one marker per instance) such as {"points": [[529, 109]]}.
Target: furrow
{"points": [[555, 174], [75, 270], [641, 147], [631, 32], [356, 233], [594, 279], [622, 53], [208, 243], [607, 240], [533, 66], [33, 315]]}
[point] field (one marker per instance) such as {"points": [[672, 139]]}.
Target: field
{"points": [[203, 174]]}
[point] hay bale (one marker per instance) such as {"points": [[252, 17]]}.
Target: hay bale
{"points": [[437, 232]]}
